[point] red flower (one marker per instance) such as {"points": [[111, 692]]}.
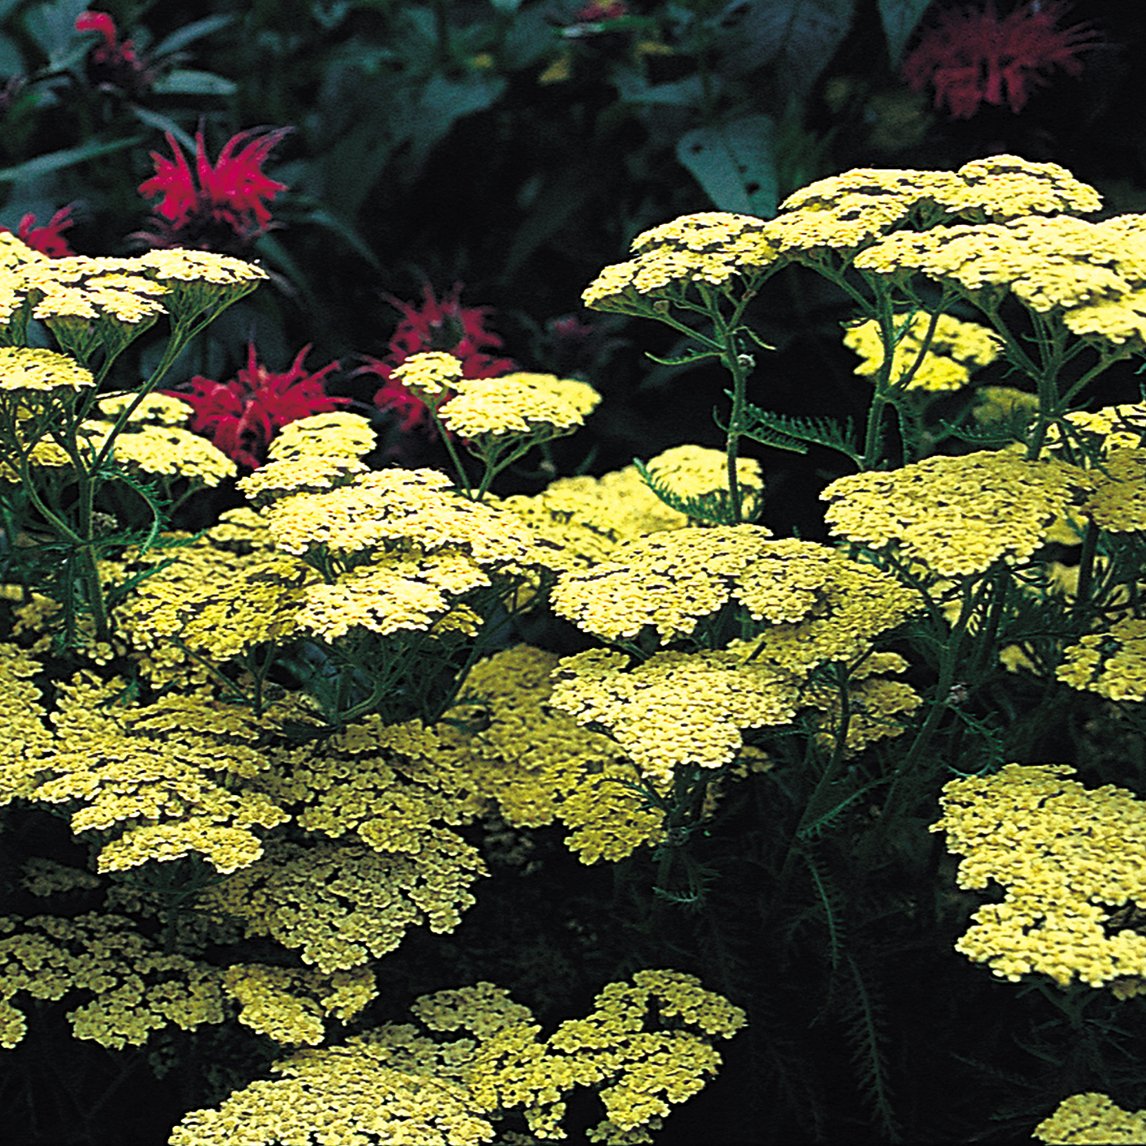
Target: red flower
{"points": [[973, 56], [115, 62], [213, 206], [438, 324], [599, 10], [48, 239], [243, 415]]}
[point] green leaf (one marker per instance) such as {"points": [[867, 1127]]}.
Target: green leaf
{"points": [[900, 18], [800, 36], [189, 81], [67, 157], [189, 33], [441, 103], [787, 432], [735, 163]]}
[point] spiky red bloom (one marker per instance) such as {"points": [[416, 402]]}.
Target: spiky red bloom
{"points": [[115, 61], [242, 416], [972, 56], [438, 324], [48, 239], [214, 204]]}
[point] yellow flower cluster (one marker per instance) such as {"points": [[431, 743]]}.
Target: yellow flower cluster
{"points": [[677, 709], [25, 369], [1092, 1118], [646, 1046], [708, 249], [878, 707], [1090, 274], [132, 987], [156, 442], [290, 1005], [87, 302], [1118, 503], [672, 581], [957, 515], [955, 351], [690, 472], [430, 375], [1111, 663], [166, 777], [521, 403], [1109, 428], [311, 454], [27, 740], [578, 521], [537, 765], [342, 904], [217, 596], [1068, 858]]}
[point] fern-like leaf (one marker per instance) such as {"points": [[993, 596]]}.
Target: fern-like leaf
{"points": [[864, 1031], [787, 432], [710, 508]]}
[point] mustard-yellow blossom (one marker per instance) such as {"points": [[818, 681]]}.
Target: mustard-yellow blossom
{"points": [[1092, 1118], [1068, 859], [520, 403], [28, 369], [957, 515], [1111, 663]]}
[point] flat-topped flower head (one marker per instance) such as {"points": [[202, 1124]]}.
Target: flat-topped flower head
{"points": [[672, 581], [957, 515], [689, 472], [411, 510], [1067, 858], [1091, 1117], [1002, 187], [1111, 663], [430, 375], [518, 404], [676, 709], [28, 370], [707, 249], [954, 351]]}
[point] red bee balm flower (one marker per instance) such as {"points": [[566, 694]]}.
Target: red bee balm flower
{"points": [[243, 415], [115, 62], [48, 239], [438, 324], [213, 206], [972, 56]]}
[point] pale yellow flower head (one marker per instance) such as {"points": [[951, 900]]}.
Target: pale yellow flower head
{"points": [[1111, 663], [1092, 1119], [957, 515], [707, 249], [1067, 858], [430, 374], [24, 368], [517, 404], [954, 352]]}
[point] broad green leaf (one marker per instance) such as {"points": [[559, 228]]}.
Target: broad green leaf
{"points": [[189, 33], [189, 81], [735, 163], [800, 36], [67, 157], [900, 18]]}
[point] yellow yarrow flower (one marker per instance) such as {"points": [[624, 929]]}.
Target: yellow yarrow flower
{"points": [[1092, 1118], [1067, 857], [706, 249], [692, 471], [1118, 503], [956, 516], [27, 369], [430, 375], [955, 350], [676, 709], [673, 580], [1111, 663], [521, 403]]}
